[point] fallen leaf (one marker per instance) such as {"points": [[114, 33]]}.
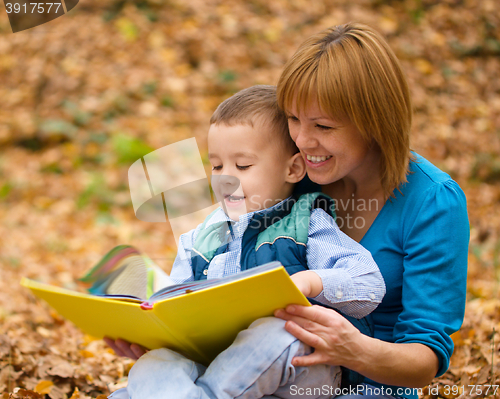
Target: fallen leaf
{"points": [[44, 387], [76, 394], [29, 394], [62, 369]]}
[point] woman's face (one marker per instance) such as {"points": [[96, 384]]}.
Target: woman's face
{"points": [[332, 149]]}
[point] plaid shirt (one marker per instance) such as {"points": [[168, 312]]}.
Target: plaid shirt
{"points": [[352, 282]]}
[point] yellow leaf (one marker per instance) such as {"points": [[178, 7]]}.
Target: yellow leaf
{"points": [[457, 338], [424, 66], [44, 387], [128, 29], [388, 25], [86, 354], [76, 394]]}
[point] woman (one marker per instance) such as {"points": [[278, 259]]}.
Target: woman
{"points": [[349, 113]]}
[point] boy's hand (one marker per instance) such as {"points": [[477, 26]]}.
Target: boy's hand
{"points": [[125, 348], [308, 282]]}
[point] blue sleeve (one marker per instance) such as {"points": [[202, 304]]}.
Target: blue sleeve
{"points": [[182, 270], [352, 282], [435, 244]]}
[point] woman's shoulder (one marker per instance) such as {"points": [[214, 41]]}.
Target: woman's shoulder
{"points": [[425, 178], [428, 192]]}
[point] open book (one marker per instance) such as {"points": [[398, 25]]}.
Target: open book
{"points": [[198, 319]]}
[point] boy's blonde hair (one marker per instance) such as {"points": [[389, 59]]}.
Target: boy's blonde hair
{"points": [[256, 104], [353, 74]]}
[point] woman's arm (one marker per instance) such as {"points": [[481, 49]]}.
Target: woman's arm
{"points": [[337, 342]]}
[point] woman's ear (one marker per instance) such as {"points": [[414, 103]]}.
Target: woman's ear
{"points": [[296, 168]]}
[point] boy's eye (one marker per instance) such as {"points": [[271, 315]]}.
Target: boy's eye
{"points": [[292, 118], [244, 167], [217, 167]]}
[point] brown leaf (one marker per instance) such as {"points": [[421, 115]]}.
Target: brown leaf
{"points": [[482, 377], [62, 369], [29, 394], [57, 393]]}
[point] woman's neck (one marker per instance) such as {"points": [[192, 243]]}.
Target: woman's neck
{"points": [[359, 197], [364, 182]]}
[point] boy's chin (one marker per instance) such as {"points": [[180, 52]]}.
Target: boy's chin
{"points": [[235, 212]]}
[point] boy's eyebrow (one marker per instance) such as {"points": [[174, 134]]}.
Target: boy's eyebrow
{"points": [[236, 155], [245, 154]]}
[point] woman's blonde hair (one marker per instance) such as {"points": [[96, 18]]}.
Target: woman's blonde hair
{"points": [[353, 73]]}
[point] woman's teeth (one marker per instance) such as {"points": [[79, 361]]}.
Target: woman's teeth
{"points": [[314, 159]]}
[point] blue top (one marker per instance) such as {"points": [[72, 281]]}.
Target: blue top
{"points": [[420, 241]]}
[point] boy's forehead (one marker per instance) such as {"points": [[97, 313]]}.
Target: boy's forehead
{"points": [[258, 132], [237, 154]]}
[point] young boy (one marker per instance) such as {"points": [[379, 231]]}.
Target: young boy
{"points": [[255, 168]]}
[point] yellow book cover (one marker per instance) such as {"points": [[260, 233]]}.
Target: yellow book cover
{"points": [[198, 319]]}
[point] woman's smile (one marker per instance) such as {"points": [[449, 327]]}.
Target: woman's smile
{"points": [[316, 161]]}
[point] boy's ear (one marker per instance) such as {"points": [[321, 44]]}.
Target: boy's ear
{"points": [[296, 169]]}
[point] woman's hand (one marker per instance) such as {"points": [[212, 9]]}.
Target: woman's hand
{"points": [[335, 340], [125, 348]]}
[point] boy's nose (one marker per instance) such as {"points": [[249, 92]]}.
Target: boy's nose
{"points": [[228, 180], [225, 183]]}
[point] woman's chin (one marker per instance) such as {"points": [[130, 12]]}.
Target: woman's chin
{"points": [[320, 178]]}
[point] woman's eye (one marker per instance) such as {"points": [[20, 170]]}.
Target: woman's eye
{"points": [[245, 167], [216, 167], [323, 127]]}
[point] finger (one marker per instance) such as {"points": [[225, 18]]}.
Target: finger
{"points": [[111, 343], [309, 360], [124, 346], [305, 323], [283, 314], [304, 335], [137, 350], [315, 313]]}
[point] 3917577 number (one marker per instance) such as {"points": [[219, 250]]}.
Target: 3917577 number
{"points": [[32, 8]]}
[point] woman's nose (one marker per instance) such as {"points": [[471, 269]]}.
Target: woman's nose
{"points": [[305, 138]]}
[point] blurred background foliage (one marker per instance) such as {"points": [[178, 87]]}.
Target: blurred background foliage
{"points": [[85, 95]]}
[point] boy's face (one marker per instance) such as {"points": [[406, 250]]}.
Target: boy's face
{"points": [[251, 167]]}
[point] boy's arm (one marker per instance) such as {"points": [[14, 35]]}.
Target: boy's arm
{"points": [[308, 282], [351, 280]]}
